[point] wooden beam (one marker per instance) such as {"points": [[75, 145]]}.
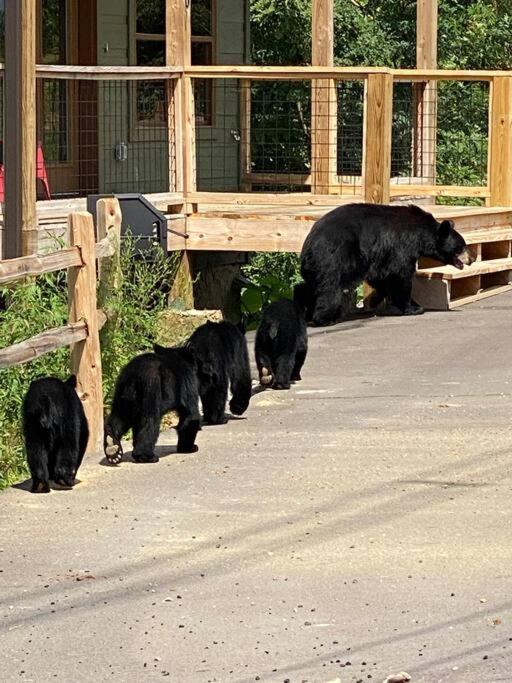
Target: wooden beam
{"points": [[42, 343], [20, 233], [500, 146], [30, 266], [86, 355], [378, 109], [324, 103], [182, 136], [425, 94]]}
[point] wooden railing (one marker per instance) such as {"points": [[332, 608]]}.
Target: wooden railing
{"points": [[375, 183], [85, 319]]}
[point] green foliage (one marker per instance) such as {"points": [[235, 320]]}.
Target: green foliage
{"points": [[28, 308], [270, 277], [39, 304], [135, 305]]}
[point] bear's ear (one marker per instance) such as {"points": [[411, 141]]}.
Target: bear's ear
{"points": [[445, 228], [71, 381], [159, 349]]}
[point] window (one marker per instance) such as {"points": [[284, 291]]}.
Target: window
{"points": [[53, 119], [150, 51]]}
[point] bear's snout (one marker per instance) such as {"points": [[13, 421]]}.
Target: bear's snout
{"points": [[465, 258]]}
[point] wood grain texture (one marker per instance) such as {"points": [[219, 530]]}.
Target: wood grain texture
{"points": [[500, 157], [20, 129], [108, 73], [42, 343], [29, 266], [377, 138], [86, 355]]}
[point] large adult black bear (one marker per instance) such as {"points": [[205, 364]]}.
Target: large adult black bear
{"points": [[281, 344], [377, 243], [220, 351], [56, 432], [149, 386]]}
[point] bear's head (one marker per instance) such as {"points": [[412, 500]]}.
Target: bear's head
{"points": [[451, 247]]}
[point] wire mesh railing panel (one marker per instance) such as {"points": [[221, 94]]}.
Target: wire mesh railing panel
{"points": [[462, 133], [103, 137], [350, 117], [440, 133], [278, 136]]}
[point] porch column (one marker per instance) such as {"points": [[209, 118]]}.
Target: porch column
{"points": [[20, 232], [181, 94], [324, 105], [425, 94]]}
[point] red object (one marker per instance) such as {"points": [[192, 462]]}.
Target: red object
{"points": [[41, 175]]}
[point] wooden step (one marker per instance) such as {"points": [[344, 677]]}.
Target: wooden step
{"points": [[477, 268]]}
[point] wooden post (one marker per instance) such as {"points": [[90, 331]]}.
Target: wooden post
{"points": [[86, 355], [425, 94], [20, 234], [377, 137], [109, 219], [178, 53], [500, 145], [324, 103]]}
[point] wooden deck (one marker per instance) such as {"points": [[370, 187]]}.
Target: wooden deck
{"points": [[280, 222]]}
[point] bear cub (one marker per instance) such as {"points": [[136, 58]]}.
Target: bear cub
{"points": [[149, 386], [281, 343], [55, 431], [377, 243], [220, 351]]}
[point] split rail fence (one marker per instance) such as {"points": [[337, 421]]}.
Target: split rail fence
{"points": [[85, 319]]}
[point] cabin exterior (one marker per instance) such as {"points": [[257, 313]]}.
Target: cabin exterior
{"points": [[111, 136]]}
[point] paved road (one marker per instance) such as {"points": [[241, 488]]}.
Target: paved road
{"points": [[356, 526]]}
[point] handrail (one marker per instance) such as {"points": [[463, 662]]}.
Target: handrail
{"points": [[254, 72], [108, 73]]}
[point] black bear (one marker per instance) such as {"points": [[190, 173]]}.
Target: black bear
{"points": [[377, 243], [56, 432], [149, 386], [281, 344], [220, 351]]}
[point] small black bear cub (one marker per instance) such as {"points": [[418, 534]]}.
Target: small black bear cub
{"points": [[281, 343], [376, 243], [149, 386], [56, 432], [222, 359]]}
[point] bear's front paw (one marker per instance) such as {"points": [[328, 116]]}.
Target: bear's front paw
{"points": [[40, 487]]}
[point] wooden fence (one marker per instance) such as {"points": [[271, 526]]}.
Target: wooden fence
{"points": [[85, 319]]}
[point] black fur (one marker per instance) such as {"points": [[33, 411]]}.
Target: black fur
{"points": [[377, 243], [56, 432], [222, 359], [281, 344], [149, 386]]}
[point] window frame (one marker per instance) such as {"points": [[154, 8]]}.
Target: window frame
{"points": [[138, 131]]}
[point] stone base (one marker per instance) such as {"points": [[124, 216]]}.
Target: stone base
{"points": [[174, 327]]}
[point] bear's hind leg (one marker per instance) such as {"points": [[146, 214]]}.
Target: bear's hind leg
{"points": [[115, 428], [37, 458], [187, 429], [284, 368], [300, 358], [145, 436], [240, 379], [213, 400], [66, 462]]}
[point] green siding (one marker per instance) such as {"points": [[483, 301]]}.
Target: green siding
{"points": [[146, 166]]}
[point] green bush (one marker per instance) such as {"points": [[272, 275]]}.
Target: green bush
{"points": [[41, 303], [269, 277]]}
